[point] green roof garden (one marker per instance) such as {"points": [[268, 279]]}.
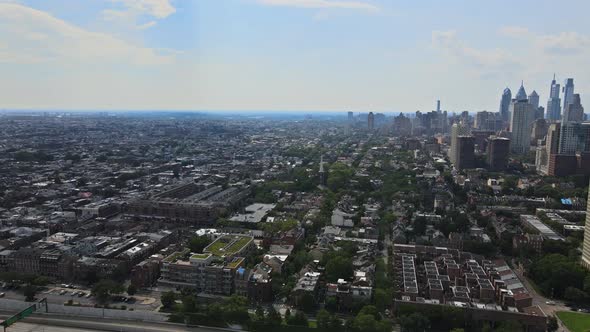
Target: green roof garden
{"points": [[235, 262], [200, 256], [176, 255], [227, 245]]}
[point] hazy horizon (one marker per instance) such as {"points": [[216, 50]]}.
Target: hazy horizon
{"points": [[294, 55]]}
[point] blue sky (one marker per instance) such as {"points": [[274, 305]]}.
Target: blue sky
{"points": [[327, 55]]}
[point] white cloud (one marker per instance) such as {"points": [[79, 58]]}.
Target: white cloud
{"points": [[565, 43], [486, 61], [359, 5], [514, 31], [147, 25], [32, 36], [156, 8]]}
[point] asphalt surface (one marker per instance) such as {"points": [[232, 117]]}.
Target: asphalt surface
{"points": [[52, 323], [54, 295]]}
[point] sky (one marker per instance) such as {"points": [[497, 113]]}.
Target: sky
{"points": [[290, 55]]}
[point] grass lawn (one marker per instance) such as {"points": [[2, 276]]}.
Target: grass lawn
{"points": [[575, 322]]}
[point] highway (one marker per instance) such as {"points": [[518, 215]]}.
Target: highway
{"points": [[52, 323]]}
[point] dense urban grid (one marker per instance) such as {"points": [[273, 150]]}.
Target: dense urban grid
{"points": [[359, 222]]}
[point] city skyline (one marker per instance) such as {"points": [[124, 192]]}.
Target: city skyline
{"points": [[272, 54]]}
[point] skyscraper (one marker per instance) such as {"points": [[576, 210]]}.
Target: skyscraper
{"points": [[498, 149], [586, 245], [574, 111], [553, 104], [371, 121], [457, 130], [534, 99], [438, 106], [505, 105], [522, 117], [465, 152], [568, 92], [350, 117], [485, 120]]}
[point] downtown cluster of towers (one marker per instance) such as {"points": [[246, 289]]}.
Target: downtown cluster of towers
{"points": [[554, 108], [561, 136]]}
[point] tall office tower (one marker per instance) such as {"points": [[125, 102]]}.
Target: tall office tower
{"points": [[568, 92], [505, 105], [457, 130], [488, 121], [554, 103], [371, 121], [534, 99], [402, 125], [522, 117], [539, 130], [540, 113], [438, 106], [573, 138], [574, 112], [586, 245], [350, 117], [552, 141], [465, 152], [498, 149]]}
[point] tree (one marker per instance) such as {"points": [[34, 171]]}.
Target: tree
{"points": [[554, 273], [299, 319], [105, 288], [415, 322], [198, 243], [383, 298], [552, 324], [30, 291], [306, 302], [323, 319], [131, 289], [339, 267], [259, 312], [189, 304], [420, 226], [575, 295], [41, 281], [273, 318], [168, 299]]}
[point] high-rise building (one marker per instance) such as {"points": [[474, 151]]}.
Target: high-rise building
{"points": [[350, 117], [371, 121], [534, 99], [522, 117], [465, 152], [438, 106], [539, 130], [457, 130], [552, 140], [498, 149], [574, 111], [568, 92], [505, 105], [586, 245], [488, 121], [573, 138], [553, 104], [402, 125]]}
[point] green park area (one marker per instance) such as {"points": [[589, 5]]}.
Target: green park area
{"points": [[574, 321]]}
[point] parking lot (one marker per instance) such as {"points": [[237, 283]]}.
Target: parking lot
{"points": [[62, 294]]}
